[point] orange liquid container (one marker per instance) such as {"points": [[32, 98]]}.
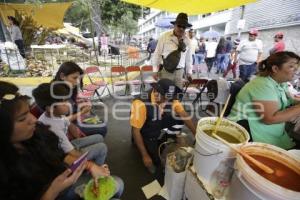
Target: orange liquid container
{"points": [[283, 175], [250, 182]]}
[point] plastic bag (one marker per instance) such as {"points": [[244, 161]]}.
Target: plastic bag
{"points": [[175, 173]]}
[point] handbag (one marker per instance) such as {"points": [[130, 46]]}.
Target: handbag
{"points": [[171, 61]]}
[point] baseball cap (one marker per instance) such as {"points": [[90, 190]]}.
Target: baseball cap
{"points": [[253, 31], [166, 88], [279, 34]]}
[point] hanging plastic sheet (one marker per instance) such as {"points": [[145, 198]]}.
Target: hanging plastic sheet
{"points": [[191, 7]]}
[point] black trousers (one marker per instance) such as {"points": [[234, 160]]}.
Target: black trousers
{"points": [[20, 45], [210, 63]]}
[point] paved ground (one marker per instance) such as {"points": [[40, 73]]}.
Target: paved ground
{"points": [[123, 157]]}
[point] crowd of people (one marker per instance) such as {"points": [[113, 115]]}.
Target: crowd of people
{"points": [[271, 104]]}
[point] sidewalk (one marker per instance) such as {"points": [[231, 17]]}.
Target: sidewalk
{"points": [[35, 81]]}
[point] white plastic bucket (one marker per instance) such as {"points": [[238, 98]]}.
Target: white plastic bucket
{"points": [[247, 184], [210, 152]]}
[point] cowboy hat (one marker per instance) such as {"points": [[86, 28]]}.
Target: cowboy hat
{"points": [[182, 19]]}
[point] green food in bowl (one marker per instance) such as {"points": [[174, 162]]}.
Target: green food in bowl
{"points": [[107, 189]]}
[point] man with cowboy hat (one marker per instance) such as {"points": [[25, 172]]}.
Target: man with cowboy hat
{"points": [[158, 110], [167, 44]]}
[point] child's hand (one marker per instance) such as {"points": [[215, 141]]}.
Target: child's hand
{"points": [[98, 171], [85, 109]]}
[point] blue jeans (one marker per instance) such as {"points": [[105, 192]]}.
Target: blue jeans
{"points": [[222, 62], [94, 144], [92, 130], [199, 58], [246, 71]]}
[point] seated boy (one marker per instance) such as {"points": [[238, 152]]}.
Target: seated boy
{"points": [[53, 98], [154, 112]]}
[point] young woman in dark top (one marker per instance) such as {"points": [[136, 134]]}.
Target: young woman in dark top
{"points": [[71, 73], [31, 164]]}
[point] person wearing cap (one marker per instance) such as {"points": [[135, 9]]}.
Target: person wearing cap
{"points": [[250, 53], [279, 43], [170, 41], [151, 113], [16, 34]]}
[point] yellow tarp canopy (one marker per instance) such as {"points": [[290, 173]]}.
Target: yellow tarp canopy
{"points": [[191, 7], [48, 15]]}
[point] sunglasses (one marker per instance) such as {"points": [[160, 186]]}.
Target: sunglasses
{"points": [[180, 26], [252, 34]]}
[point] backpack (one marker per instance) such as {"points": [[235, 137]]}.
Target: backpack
{"points": [[212, 90]]}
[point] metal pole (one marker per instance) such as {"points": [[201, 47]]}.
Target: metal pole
{"points": [[92, 31], [242, 17], [142, 24]]}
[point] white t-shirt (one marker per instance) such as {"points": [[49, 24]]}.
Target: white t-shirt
{"points": [[59, 126], [210, 48], [248, 51], [194, 45]]}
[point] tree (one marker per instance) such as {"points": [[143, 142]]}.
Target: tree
{"points": [[128, 25], [110, 13], [113, 15]]}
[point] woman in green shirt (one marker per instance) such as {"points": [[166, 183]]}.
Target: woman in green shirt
{"points": [[264, 102]]}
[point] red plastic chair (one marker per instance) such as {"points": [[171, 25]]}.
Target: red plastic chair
{"points": [[136, 81], [119, 73], [35, 110], [147, 75], [94, 74]]}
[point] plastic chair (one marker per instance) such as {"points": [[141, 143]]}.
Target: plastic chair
{"points": [[147, 70], [35, 110], [137, 80], [94, 73], [119, 73], [195, 87]]}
